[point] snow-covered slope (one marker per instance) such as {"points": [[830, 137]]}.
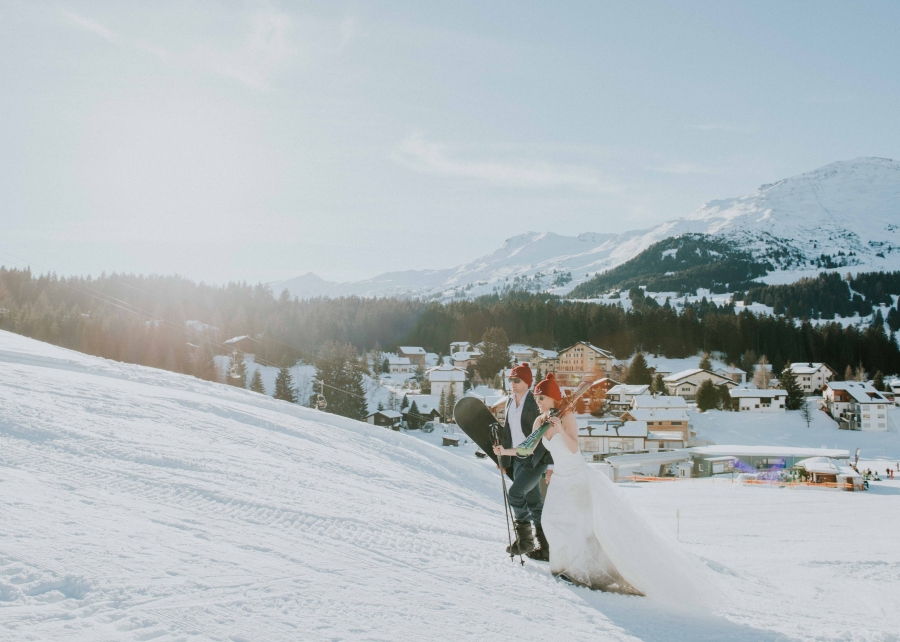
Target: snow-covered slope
{"points": [[847, 206], [138, 504]]}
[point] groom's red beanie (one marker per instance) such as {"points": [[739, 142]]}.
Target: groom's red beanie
{"points": [[549, 388], [523, 372]]}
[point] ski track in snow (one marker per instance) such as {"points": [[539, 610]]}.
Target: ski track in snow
{"points": [[137, 504]]}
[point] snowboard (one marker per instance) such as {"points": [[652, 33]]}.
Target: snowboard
{"points": [[474, 418]]}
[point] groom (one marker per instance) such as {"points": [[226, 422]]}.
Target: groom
{"points": [[525, 492]]}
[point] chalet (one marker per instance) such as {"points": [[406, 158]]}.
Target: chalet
{"points": [[856, 405], [583, 361], [686, 382], [735, 374], [460, 346], [427, 406], [620, 397], [545, 360], [812, 377], [662, 420], [519, 352], [400, 365], [754, 400], [447, 378], [389, 418], [465, 359], [415, 354]]}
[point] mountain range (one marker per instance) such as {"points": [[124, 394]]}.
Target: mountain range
{"points": [[843, 216]]}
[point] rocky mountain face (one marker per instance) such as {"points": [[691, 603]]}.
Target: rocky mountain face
{"points": [[843, 216]]}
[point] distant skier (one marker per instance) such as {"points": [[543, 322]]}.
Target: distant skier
{"points": [[525, 493]]}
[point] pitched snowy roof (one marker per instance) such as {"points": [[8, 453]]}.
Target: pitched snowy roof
{"points": [[808, 368], [424, 403], [861, 391], [465, 356], [646, 402], [545, 354], [390, 414], [236, 339], [624, 388], [729, 370], [412, 350], [398, 361], [690, 372]]}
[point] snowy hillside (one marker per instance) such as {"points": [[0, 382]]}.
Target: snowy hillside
{"points": [[844, 207], [138, 504]]}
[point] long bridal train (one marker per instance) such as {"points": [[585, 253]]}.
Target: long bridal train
{"points": [[597, 540]]}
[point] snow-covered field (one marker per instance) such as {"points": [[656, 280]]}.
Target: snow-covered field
{"points": [[138, 504], [789, 429]]}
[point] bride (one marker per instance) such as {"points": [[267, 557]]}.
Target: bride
{"points": [[596, 539]]}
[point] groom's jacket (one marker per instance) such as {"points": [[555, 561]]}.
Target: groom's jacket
{"points": [[530, 412]]}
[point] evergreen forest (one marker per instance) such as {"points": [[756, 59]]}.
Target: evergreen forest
{"points": [[177, 324]]}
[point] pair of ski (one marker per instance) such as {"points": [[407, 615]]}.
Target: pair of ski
{"points": [[477, 421]]}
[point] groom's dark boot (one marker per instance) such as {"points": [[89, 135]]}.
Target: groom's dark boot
{"points": [[542, 553], [524, 539]]}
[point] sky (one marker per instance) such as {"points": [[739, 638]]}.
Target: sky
{"points": [[258, 141]]}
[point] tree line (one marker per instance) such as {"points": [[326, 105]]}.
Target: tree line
{"points": [[176, 324]]}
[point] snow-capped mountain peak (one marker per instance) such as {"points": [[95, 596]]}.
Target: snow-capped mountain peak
{"points": [[845, 214]]}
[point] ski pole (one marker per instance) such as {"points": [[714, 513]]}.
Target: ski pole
{"points": [[495, 430]]}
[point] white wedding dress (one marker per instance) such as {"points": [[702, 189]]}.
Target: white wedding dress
{"points": [[597, 540]]}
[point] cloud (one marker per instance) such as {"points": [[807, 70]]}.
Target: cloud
{"points": [[422, 156], [92, 26], [252, 63]]}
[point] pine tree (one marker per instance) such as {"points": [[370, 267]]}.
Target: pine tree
{"points": [[705, 363], [442, 405], [413, 420], [725, 401], [795, 397], [451, 403], [284, 386], [878, 382], [660, 386], [893, 319], [494, 353], [338, 367], [638, 372], [404, 404], [878, 319], [380, 406], [256, 384], [707, 396]]}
